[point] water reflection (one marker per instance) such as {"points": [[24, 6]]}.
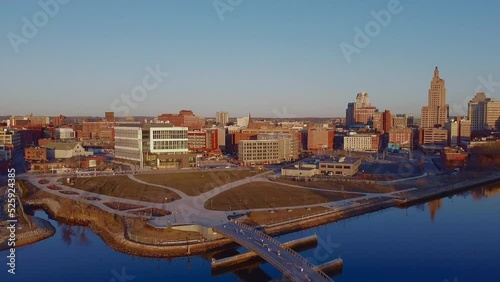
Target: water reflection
{"points": [[73, 234], [434, 206], [477, 194], [483, 192]]}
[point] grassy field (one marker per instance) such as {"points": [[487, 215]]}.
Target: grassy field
{"points": [[268, 195], [122, 187], [348, 186], [196, 183]]}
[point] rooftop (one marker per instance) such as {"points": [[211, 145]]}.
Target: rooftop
{"points": [[297, 167], [61, 145], [338, 161]]}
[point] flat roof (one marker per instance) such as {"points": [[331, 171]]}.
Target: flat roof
{"points": [[298, 168], [336, 161]]}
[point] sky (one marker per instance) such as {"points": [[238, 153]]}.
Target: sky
{"points": [[273, 58]]}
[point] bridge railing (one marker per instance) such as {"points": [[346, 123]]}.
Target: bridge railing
{"points": [[287, 249]]}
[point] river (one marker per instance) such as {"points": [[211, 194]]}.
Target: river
{"points": [[452, 239]]}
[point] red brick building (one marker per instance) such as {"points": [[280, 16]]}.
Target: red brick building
{"points": [[454, 157], [320, 139], [401, 136], [206, 140], [97, 130], [58, 121], [185, 118]]}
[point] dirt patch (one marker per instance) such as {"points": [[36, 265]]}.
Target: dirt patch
{"points": [[152, 212], [269, 195], [54, 187], [121, 206], [43, 181], [68, 193]]}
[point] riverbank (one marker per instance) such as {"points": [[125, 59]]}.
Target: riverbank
{"points": [[114, 235], [41, 230]]}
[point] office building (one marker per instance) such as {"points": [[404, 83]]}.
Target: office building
{"points": [[154, 144], [65, 133], [268, 149], [362, 142], [401, 136], [10, 139], [484, 113], [5, 153], [341, 167], [436, 136], [436, 111], [320, 139]]}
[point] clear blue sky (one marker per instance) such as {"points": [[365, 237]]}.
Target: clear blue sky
{"points": [[264, 56]]}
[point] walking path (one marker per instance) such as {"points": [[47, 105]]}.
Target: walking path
{"points": [[191, 209]]}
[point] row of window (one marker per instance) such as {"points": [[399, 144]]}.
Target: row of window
{"points": [[125, 133], [170, 134], [336, 166], [127, 154], [127, 143], [170, 145]]}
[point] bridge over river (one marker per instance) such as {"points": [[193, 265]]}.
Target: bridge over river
{"points": [[291, 264]]}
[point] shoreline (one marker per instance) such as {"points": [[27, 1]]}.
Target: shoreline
{"points": [[42, 231], [119, 241]]}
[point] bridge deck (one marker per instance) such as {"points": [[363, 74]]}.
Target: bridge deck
{"points": [[290, 263]]}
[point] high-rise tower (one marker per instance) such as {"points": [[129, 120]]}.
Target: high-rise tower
{"points": [[436, 111]]}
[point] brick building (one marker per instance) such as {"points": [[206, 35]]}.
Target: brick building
{"points": [[185, 118]]}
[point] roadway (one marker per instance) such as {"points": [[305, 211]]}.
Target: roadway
{"points": [[290, 263]]}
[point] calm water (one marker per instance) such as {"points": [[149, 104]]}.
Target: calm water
{"points": [[452, 239]]}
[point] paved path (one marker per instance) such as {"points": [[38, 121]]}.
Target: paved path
{"points": [[190, 209]]}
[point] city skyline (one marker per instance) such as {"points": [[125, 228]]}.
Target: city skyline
{"points": [[246, 61]]}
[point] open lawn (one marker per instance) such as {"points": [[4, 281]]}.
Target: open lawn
{"points": [[122, 187], [268, 195], [198, 182], [348, 186]]}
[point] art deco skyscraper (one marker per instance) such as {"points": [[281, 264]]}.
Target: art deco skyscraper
{"points": [[436, 111]]}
